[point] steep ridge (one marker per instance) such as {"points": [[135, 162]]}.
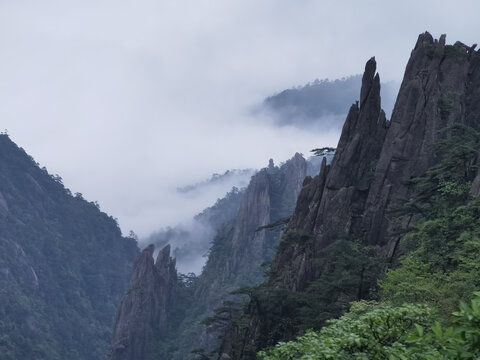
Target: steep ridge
{"points": [[269, 197], [331, 203], [64, 265], [437, 92], [376, 159], [142, 316], [242, 246]]}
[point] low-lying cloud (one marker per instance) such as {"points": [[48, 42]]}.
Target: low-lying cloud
{"points": [[128, 100]]}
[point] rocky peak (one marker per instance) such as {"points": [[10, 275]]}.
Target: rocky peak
{"points": [[369, 80], [376, 159], [165, 264], [236, 255], [330, 203], [439, 85], [141, 318]]}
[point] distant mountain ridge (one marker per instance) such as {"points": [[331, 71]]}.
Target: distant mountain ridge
{"points": [[322, 104]]}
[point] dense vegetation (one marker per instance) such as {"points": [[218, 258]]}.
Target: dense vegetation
{"points": [[378, 331], [441, 266], [63, 265]]}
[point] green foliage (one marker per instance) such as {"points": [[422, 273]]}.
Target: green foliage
{"points": [[349, 273], [440, 267], [412, 282], [275, 224], [323, 151], [369, 331], [229, 322], [446, 184], [180, 312], [381, 331], [292, 238]]}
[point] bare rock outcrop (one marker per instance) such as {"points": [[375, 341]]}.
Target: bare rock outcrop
{"points": [[376, 158], [141, 319], [331, 202]]}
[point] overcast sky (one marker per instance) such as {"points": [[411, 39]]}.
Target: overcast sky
{"points": [[127, 100]]}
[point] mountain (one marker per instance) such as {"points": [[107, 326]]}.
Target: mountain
{"points": [[142, 317], [238, 248], [236, 256], [397, 202], [376, 159], [191, 240], [64, 265], [349, 220], [322, 104]]}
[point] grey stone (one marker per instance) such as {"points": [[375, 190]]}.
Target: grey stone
{"points": [[141, 318]]}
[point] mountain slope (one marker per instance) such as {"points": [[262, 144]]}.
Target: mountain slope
{"points": [[63, 266]]}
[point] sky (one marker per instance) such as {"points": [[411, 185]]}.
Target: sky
{"points": [[128, 100]]}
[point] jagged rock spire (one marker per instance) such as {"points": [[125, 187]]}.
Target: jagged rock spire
{"points": [[368, 79], [141, 318], [324, 208], [376, 159]]}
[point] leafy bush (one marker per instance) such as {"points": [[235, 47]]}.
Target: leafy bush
{"points": [[373, 331], [369, 331]]}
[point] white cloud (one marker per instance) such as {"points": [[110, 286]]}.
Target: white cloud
{"points": [[127, 99]]}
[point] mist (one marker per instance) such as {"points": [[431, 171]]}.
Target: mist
{"points": [[320, 105], [189, 242], [127, 101]]}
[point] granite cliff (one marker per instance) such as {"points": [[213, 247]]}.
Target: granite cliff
{"points": [[142, 316], [144, 328], [344, 230], [376, 159], [346, 215]]}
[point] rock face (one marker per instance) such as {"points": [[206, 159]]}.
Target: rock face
{"points": [[440, 88], [372, 170], [141, 318], [270, 196], [376, 159], [331, 202], [152, 315], [241, 246]]}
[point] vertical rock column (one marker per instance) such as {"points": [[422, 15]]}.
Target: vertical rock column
{"points": [[141, 319]]}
